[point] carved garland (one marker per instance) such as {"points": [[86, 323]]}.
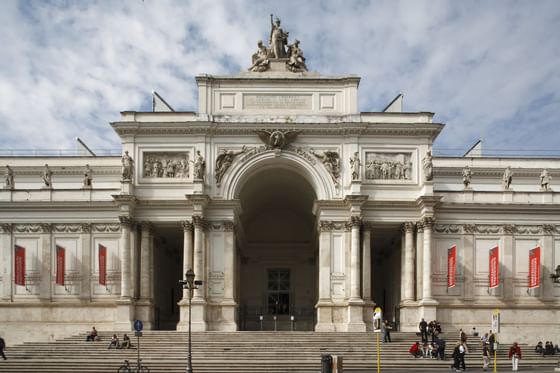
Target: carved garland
{"points": [[494, 229]]}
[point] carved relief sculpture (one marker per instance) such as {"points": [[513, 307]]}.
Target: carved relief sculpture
{"points": [[277, 139], [507, 178], [47, 177], [331, 161], [355, 165], [9, 184], [428, 166], [260, 58], [545, 180], [467, 175], [166, 165], [388, 166], [296, 62], [127, 166], [224, 161], [87, 177], [199, 166]]}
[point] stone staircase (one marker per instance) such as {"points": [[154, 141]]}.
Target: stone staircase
{"points": [[243, 352]]}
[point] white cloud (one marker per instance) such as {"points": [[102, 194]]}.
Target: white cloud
{"points": [[488, 69]]}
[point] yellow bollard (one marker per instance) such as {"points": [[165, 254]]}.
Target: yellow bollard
{"points": [[378, 355]]}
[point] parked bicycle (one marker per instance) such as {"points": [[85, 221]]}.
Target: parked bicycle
{"points": [[127, 368]]}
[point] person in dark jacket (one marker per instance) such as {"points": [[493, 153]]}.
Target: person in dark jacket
{"points": [[2, 347]]}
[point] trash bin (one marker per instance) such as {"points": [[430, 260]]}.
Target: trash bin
{"points": [[337, 364], [326, 363]]}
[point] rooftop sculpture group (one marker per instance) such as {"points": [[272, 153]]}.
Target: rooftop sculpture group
{"points": [[278, 49]]}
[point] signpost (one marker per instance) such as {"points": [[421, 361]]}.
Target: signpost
{"points": [[138, 327], [377, 320], [495, 330]]}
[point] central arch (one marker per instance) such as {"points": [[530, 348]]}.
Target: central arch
{"points": [[278, 273]]}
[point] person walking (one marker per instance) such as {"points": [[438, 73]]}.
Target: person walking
{"points": [[386, 331], [485, 356], [2, 347], [515, 355]]}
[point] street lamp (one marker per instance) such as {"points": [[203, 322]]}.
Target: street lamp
{"points": [[555, 277], [190, 284]]}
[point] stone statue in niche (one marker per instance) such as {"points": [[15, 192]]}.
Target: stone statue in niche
{"points": [[278, 39], [47, 176], [9, 178], [428, 166], [127, 166], [545, 180], [388, 166], [260, 58], [507, 178], [199, 166], [296, 62], [166, 165], [331, 161], [355, 165], [467, 175], [224, 161], [88, 176]]}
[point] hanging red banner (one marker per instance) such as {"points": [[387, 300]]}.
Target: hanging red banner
{"points": [[19, 262], [60, 264], [494, 268], [535, 268], [102, 265], [451, 266]]}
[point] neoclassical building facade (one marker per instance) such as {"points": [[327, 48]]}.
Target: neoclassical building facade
{"points": [[292, 208]]}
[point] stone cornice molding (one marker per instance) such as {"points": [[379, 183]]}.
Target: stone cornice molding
{"points": [[494, 172], [69, 170]]}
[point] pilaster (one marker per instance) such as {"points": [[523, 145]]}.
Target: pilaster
{"points": [[547, 294], [419, 258], [6, 268], [428, 223], [324, 305], [145, 303], [409, 263], [507, 262], [45, 292], [469, 265]]}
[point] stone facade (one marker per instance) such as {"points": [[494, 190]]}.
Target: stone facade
{"points": [[289, 228]]}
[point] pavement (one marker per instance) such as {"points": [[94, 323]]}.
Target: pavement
{"points": [[469, 370]]}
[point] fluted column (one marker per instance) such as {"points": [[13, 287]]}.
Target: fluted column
{"points": [[124, 254], [145, 259], [366, 263], [324, 262], [355, 223], [187, 250], [409, 262], [427, 260], [199, 257]]}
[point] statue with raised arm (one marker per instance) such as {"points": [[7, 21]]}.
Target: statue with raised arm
{"points": [[278, 39], [87, 177], [47, 176], [127, 166], [199, 166], [296, 62], [260, 58], [467, 175], [355, 165], [9, 178], [331, 161], [545, 180], [428, 166], [224, 161], [507, 178]]}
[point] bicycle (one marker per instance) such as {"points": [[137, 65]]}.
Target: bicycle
{"points": [[127, 368]]}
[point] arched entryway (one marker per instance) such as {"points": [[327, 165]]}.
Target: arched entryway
{"points": [[278, 251]]}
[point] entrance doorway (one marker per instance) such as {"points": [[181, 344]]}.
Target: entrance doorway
{"points": [[278, 252]]}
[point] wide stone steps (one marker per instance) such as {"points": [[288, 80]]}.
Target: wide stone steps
{"points": [[243, 352]]}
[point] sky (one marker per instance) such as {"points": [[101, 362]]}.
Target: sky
{"points": [[489, 70]]}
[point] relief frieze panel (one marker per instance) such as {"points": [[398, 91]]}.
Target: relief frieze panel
{"points": [[388, 166], [166, 165], [72, 228], [106, 228]]}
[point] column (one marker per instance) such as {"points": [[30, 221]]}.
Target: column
{"points": [[408, 262], [324, 305], [419, 258], [366, 263], [355, 266], [199, 257], [145, 259], [85, 269], [229, 261], [6, 248], [427, 260], [187, 251], [124, 254], [134, 262]]}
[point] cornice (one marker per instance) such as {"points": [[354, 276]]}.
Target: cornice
{"points": [[63, 170]]}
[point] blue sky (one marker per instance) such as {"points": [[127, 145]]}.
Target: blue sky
{"points": [[490, 70]]}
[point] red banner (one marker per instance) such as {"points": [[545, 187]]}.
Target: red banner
{"points": [[60, 264], [19, 262], [494, 268], [102, 265], [535, 268], [451, 266]]}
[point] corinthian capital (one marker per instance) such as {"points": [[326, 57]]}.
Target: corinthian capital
{"points": [[126, 221], [355, 221], [428, 222], [409, 227], [187, 226]]}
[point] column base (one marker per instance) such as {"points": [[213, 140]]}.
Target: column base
{"points": [[324, 317], [124, 315], [355, 321], [223, 316], [428, 309], [145, 312], [198, 321]]}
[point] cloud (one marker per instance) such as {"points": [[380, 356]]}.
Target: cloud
{"points": [[489, 70]]}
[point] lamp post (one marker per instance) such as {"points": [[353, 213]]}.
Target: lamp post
{"points": [[555, 277], [190, 284]]}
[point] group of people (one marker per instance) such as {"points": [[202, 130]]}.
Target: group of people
{"points": [[432, 328], [113, 343], [548, 349], [432, 350]]}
